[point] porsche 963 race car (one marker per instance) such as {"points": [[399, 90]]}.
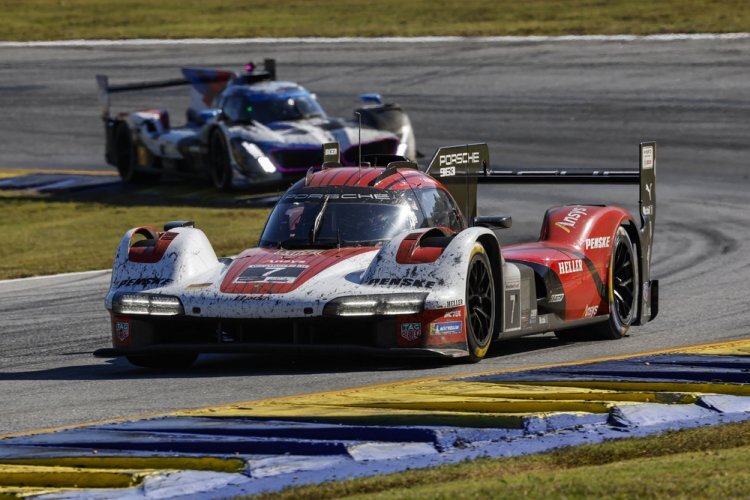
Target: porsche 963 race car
{"points": [[388, 259], [244, 129]]}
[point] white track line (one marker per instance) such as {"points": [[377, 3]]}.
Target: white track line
{"points": [[51, 276], [418, 39]]}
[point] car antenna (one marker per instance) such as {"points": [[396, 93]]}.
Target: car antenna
{"points": [[359, 146]]}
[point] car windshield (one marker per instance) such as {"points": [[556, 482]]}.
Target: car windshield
{"points": [[243, 108], [326, 220]]}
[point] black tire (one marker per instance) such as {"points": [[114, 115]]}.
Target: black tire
{"points": [[480, 304], [125, 159], [164, 362], [623, 286], [219, 162]]}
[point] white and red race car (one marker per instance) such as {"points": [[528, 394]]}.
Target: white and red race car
{"points": [[388, 259]]}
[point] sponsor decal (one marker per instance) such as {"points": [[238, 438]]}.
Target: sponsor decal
{"points": [[154, 280], [297, 253], [447, 328], [647, 209], [556, 297], [248, 298], [543, 320], [570, 266], [455, 303], [513, 284], [649, 187], [274, 273], [341, 196], [331, 152], [459, 158], [571, 219], [447, 171], [401, 282], [532, 317], [647, 157], [122, 331], [596, 243], [411, 331], [590, 312], [453, 314]]}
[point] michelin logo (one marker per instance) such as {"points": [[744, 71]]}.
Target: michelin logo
{"points": [[447, 328]]}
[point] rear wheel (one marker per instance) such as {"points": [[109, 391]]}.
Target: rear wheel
{"points": [[480, 304], [164, 362], [221, 166], [623, 294], [125, 158]]}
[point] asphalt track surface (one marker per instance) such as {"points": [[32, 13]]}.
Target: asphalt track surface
{"points": [[540, 104]]}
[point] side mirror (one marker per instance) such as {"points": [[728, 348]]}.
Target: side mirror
{"points": [[494, 221]]}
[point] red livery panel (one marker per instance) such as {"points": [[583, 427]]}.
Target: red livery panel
{"points": [[268, 271]]}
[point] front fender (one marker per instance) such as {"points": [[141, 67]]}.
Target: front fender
{"points": [[444, 279], [180, 256]]}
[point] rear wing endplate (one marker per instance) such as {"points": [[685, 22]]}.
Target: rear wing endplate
{"points": [[461, 168]]}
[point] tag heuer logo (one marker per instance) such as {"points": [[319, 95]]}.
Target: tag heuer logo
{"points": [[411, 331]]}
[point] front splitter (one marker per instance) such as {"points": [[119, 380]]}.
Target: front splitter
{"points": [[291, 349]]}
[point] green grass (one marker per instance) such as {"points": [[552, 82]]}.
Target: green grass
{"points": [[46, 237], [73, 19], [698, 463]]}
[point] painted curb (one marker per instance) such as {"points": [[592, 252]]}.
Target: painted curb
{"points": [[269, 445]]}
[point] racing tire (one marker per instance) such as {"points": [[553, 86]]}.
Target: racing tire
{"points": [[163, 362], [623, 286], [220, 163], [480, 304], [125, 159]]}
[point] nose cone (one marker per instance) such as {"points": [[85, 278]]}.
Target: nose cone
{"points": [[265, 271]]}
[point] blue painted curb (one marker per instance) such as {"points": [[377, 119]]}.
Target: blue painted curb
{"points": [[282, 453]]}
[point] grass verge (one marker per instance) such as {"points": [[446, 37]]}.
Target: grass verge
{"points": [[75, 19], [709, 462], [42, 236]]}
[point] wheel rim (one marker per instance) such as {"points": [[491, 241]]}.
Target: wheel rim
{"points": [[623, 282], [480, 302]]}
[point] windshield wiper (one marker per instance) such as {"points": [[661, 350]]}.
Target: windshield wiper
{"points": [[318, 221]]}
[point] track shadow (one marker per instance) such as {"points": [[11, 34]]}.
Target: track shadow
{"points": [[108, 190], [209, 366]]}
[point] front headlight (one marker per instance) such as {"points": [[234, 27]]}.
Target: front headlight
{"points": [[403, 147], [264, 161], [150, 304], [376, 305]]}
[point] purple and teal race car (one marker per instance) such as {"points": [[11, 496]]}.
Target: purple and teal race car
{"points": [[245, 129]]}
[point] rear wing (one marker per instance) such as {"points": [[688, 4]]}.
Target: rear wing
{"points": [[207, 84], [461, 168]]}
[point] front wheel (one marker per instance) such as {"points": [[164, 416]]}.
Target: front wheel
{"points": [[220, 163], [480, 304], [164, 362], [623, 294]]}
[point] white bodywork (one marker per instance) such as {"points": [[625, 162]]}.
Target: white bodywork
{"points": [[190, 270]]}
